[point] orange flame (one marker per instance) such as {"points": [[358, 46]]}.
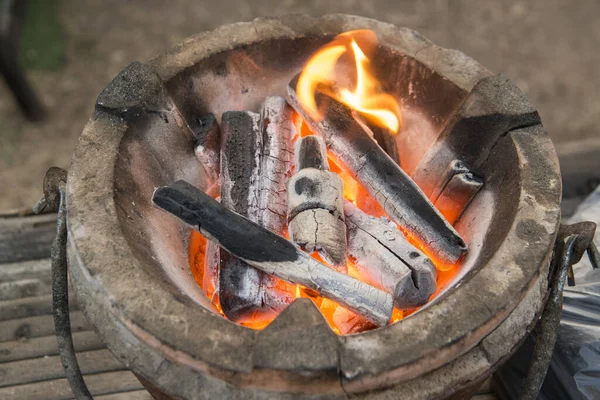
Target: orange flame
{"points": [[321, 73]]}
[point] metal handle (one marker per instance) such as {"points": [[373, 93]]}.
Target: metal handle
{"points": [[571, 243], [55, 198]]}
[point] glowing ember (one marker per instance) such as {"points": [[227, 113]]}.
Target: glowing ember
{"points": [[366, 97]]}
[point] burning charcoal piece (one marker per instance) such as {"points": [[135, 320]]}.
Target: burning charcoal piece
{"points": [[310, 152], [240, 286], [210, 282], [457, 195], [387, 142], [315, 204], [255, 163], [269, 252], [207, 146], [494, 107], [268, 207], [387, 260], [349, 322], [399, 196], [455, 167]]}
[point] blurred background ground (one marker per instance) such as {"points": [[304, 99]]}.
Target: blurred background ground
{"points": [[73, 48]]}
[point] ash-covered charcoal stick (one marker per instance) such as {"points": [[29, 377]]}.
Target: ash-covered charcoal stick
{"points": [[207, 147], [240, 286], [271, 253], [393, 189], [457, 194], [268, 206], [387, 260], [256, 159], [315, 204]]}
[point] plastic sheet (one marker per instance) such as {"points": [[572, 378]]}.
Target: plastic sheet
{"points": [[574, 372]]}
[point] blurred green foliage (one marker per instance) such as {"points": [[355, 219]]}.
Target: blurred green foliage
{"points": [[42, 44]]}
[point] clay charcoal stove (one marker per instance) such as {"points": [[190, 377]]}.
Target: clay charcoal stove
{"points": [[305, 207]]}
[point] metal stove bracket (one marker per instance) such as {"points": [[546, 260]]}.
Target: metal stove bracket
{"points": [[571, 243]]}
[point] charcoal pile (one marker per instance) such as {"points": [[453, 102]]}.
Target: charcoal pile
{"points": [[315, 204]]}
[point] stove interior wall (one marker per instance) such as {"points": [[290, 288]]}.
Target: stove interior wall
{"points": [[487, 220], [157, 151], [428, 100], [241, 78]]}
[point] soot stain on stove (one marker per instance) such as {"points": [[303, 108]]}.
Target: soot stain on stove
{"points": [[530, 231], [221, 69], [533, 234]]}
